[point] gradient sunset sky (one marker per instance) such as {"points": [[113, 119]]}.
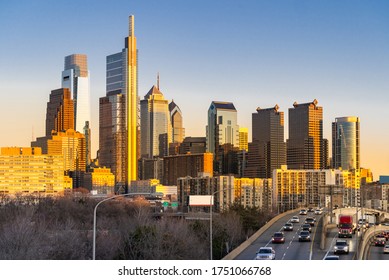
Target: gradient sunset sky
{"points": [[252, 53]]}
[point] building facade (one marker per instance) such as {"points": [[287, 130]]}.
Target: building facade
{"points": [[243, 138], [302, 188], [186, 165], [177, 122], [155, 124], [269, 149], [222, 134], [305, 146], [28, 171], [346, 143], [60, 111]]}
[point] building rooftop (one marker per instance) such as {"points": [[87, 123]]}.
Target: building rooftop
{"points": [[223, 105]]}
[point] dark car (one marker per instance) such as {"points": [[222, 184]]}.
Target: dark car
{"points": [[306, 227], [304, 236], [278, 237], [310, 221]]}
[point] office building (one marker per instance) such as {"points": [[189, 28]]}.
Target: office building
{"points": [[305, 146], [177, 123], [25, 170], [155, 124], [113, 134], [151, 168], [193, 145], [186, 165], [268, 147], [346, 143], [75, 77], [222, 132], [60, 111]]}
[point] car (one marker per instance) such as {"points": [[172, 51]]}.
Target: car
{"points": [[295, 219], [304, 236], [310, 221], [331, 257], [288, 227], [386, 249], [303, 212], [310, 209], [278, 237], [318, 211], [306, 227], [380, 240], [265, 253], [341, 246]]}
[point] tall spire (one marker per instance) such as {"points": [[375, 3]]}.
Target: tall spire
{"points": [[158, 80]]}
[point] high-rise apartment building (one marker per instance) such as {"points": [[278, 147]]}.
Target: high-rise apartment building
{"points": [[346, 143], [60, 111], [268, 147], [222, 135], [25, 170], [155, 124], [76, 78], [193, 145], [305, 146]]}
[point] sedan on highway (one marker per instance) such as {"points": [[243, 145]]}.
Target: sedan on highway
{"points": [[318, 211], [386, 249], [379, 240], [303, 212], [304, 236], [310, 221], [295, 219], [288, 227], [341, 246], [265, 253], [278, 237], [306, 227]]}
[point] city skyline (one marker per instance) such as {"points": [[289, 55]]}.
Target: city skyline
{"points": [[254, 55]]}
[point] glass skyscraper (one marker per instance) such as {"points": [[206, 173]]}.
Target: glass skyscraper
{"points": [[346, 143]]}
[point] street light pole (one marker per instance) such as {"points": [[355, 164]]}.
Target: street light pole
{"points": [[210, 218], [95, 212]]}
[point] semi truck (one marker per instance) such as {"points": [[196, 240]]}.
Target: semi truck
{"points": [[346, 226]]}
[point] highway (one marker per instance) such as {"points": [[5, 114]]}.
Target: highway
{"points": [[292, 249]]}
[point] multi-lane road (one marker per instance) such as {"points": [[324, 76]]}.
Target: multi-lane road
{"points": [[292, 249]]}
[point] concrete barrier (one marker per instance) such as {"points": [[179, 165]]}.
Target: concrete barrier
{"points": [[234, 253], [362, 254]]}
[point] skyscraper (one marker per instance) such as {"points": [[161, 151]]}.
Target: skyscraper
{"points": [[223, 137], [305, 146], [155, 124], [222, 126], [268, 136], [119, 113], [346, 143], [132, 102], [177, 123], [76, 78], [60, 111]]}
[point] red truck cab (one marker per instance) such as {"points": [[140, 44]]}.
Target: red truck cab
{"points": [[346, 226]]}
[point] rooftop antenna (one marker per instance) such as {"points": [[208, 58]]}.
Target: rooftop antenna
{"points": [[158, 80]]}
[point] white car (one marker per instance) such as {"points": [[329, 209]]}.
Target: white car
{"points": [[265, 253], [386, 249], [318, 212], [295, 219]]}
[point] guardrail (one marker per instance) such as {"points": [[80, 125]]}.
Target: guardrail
{"points": [[234, 253]]}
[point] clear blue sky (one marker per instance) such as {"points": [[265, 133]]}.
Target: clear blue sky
{"points": [[251, 53]]}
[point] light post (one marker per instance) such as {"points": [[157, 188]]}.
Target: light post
{"points": [[210, 218], [95, 212]]}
